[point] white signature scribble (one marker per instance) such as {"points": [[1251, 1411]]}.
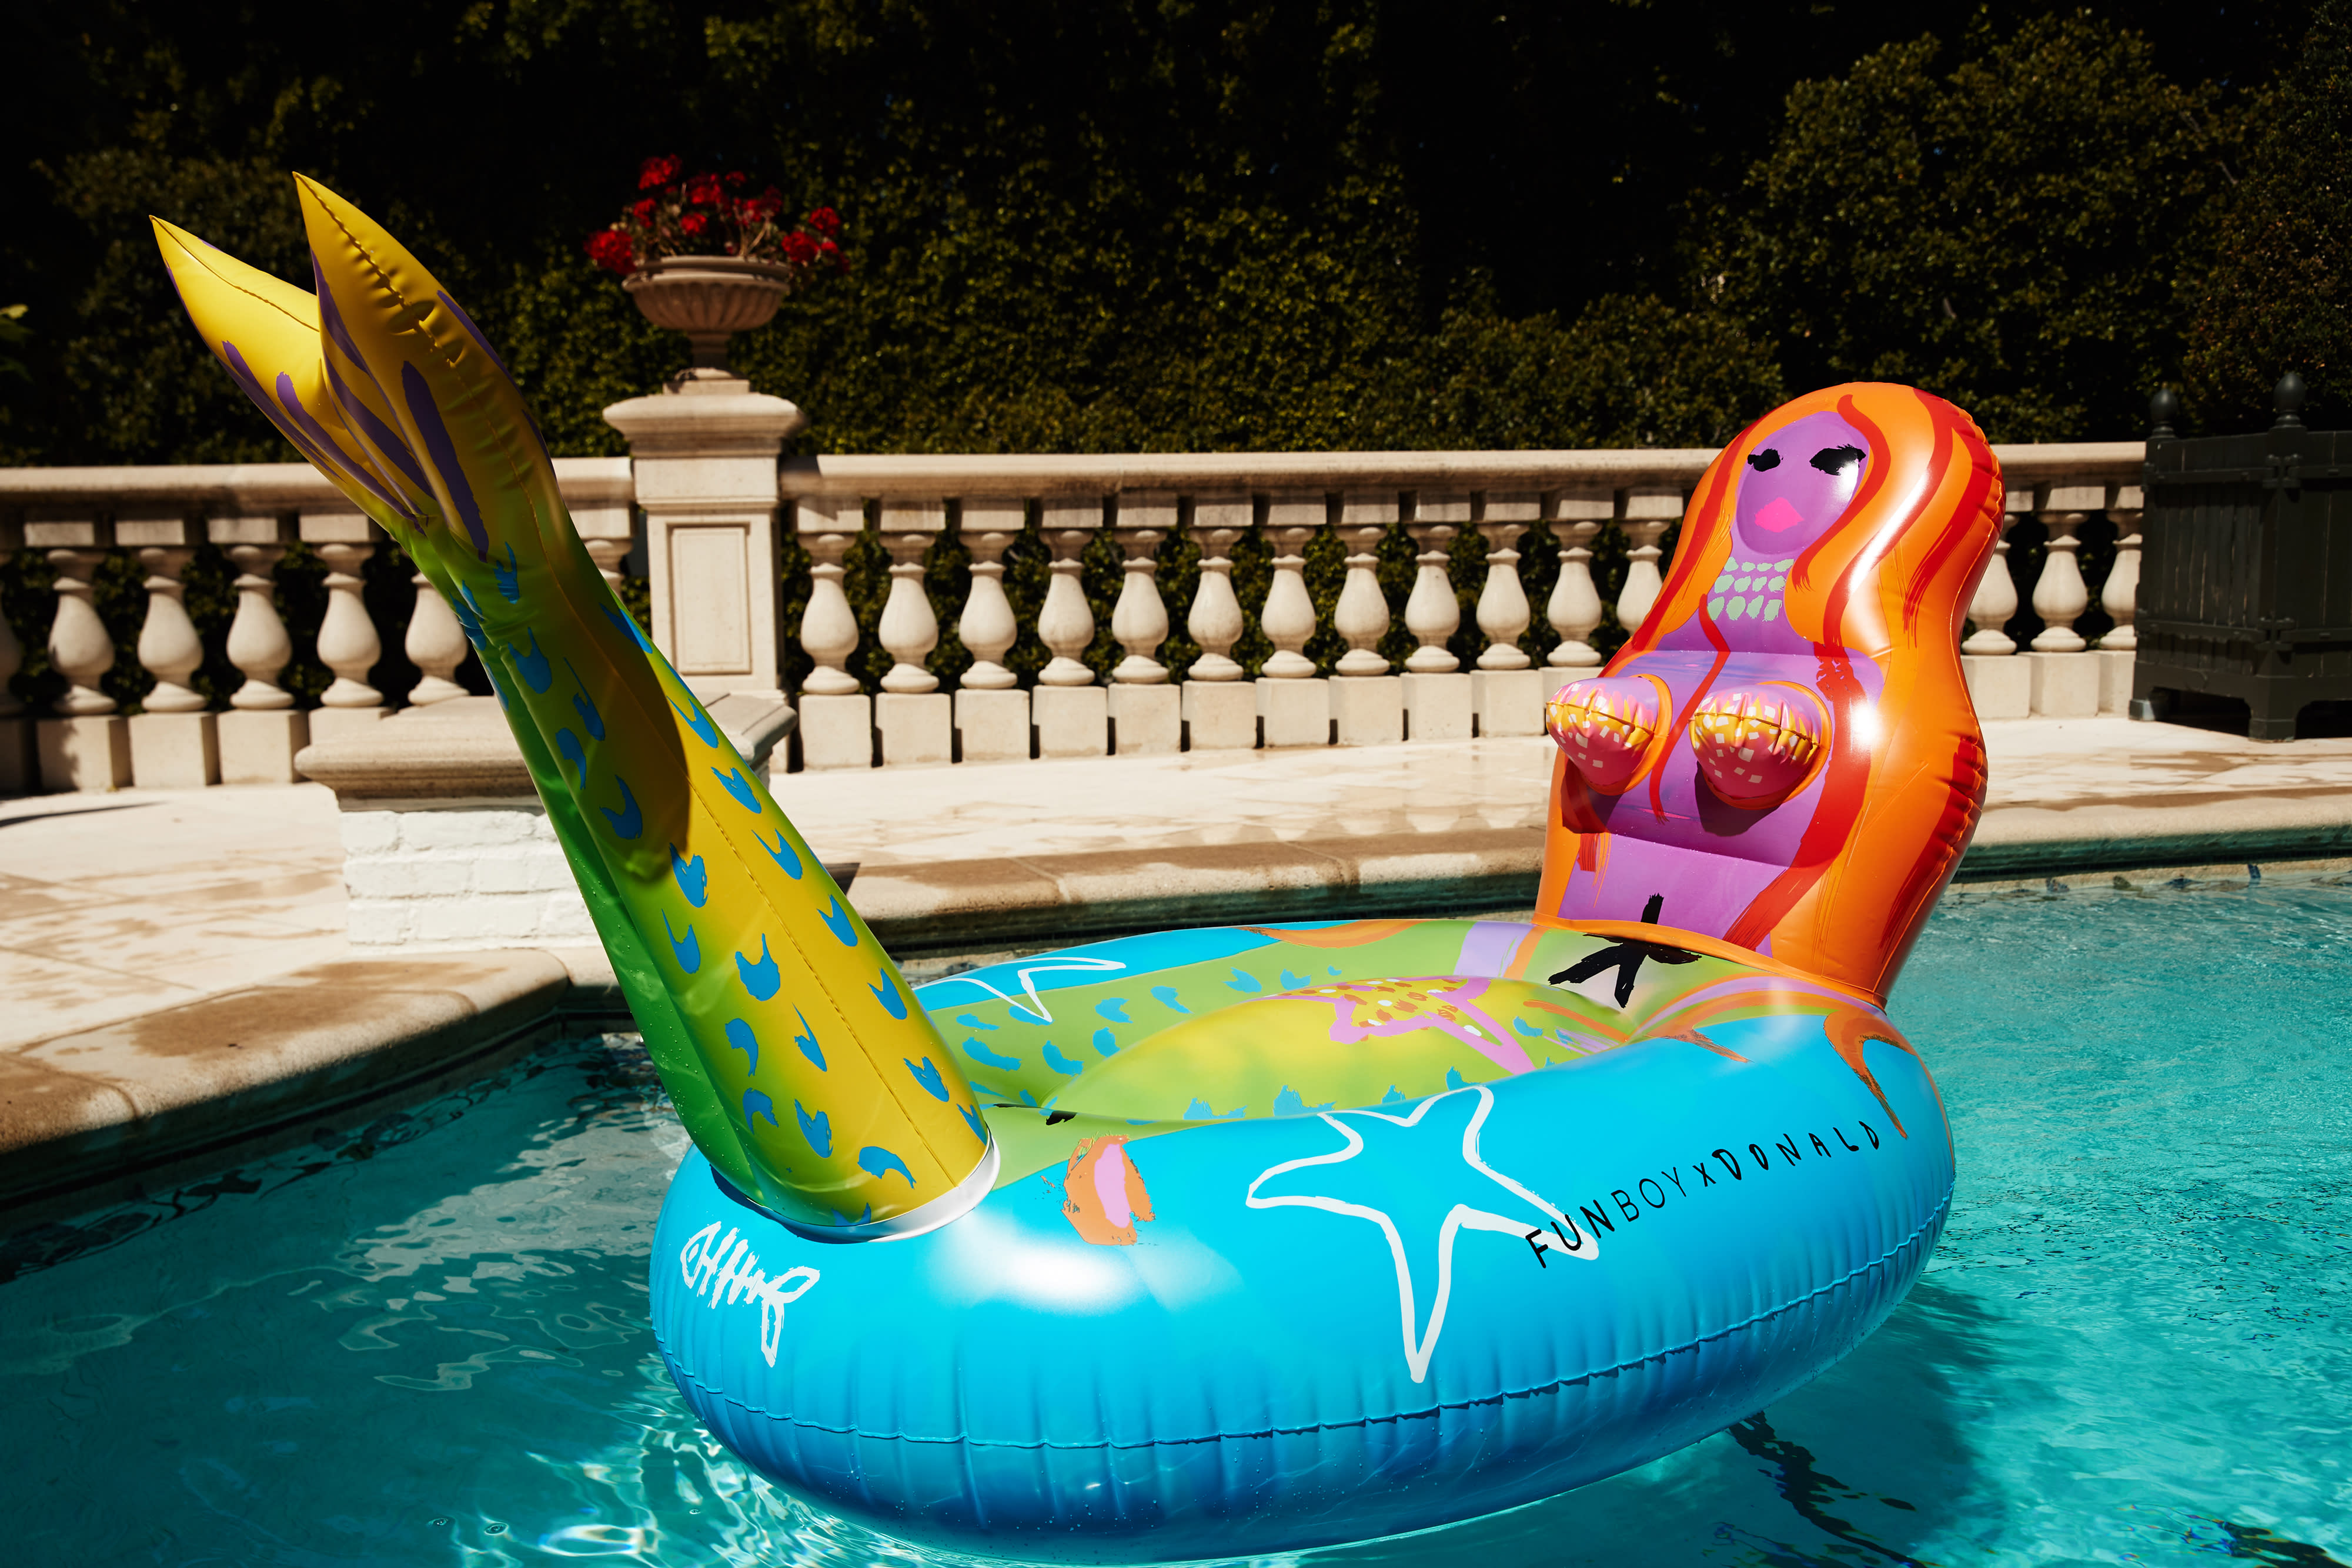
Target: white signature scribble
{"points": [[724, 1269]]}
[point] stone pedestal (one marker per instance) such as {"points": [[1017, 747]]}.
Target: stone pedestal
{"points": [[2065, 685], [1071, 721], [704, 464], [20, 767], [1368, 710], [257, 745], [836, 732], [1294, 713], [915, 729], [1220, 715], [2000, 685], [1146, 721], [1438, 707], [2116, 678], [334, 723], [89, 752], [991, 725], [175, 751], [1510, 702]]}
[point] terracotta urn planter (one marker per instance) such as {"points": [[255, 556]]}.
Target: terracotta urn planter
{"points": [[710, 299]]}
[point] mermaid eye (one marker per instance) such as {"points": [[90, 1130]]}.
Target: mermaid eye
{"points": [[1764, 461], [1837, 459]]}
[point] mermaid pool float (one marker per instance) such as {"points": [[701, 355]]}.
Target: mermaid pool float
{"points": [[1227, 1241]]}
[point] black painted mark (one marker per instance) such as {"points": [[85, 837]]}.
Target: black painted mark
{"points": [[1055, 1118], [1626, 958]]}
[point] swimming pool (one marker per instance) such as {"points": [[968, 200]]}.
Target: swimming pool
{"points": [[429, 1345]]}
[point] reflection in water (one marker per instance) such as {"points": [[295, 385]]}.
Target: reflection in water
{"points": [[428, 1344]]}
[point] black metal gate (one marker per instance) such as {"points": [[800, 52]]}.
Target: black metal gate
{"points": [[2246, 576]]}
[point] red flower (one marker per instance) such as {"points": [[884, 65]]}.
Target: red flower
{"points": [[826, 222], [703, 190], [610, 249], [694, 223], [799, 250], [644, 212], [737, 178], [657, 171]]}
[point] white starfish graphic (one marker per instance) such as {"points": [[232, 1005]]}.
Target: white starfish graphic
{"points": [[1028, 973], [1419, 1344]]}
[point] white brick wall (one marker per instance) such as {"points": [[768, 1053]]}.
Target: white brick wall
{"points": [[427, 875]]}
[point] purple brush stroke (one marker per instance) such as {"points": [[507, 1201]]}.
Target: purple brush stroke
{"points": [[319, 437], [426, 416]]}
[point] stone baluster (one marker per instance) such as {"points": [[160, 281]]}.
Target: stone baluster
{"points": [[1648, 515], [348, 643], [2120, 597], [608, 528], [992, 717], [1146, 711], [836, 719], [175, 743], [1439, 702], [261, 732], [1220, 707], [1215, 621], [914, 721], [2000, 686], [1575, 610], [18, 769], [1366, 701], [1288, 617], [436, 645], [1294, 707], [2063, 686], [1070, 712], [1507, 691], [87, 745]]}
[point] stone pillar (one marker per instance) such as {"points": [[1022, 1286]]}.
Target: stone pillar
{"points": [[607, 526], [2065, 684], [1220, 707], [704, 459], [992, 717], [1439, 704], [1574, 611], [1366, 701], [1294, 707], [1507, 691], [914, 721], [1146, 710], [261, 732], [18, 769], [436, 645], [175, 744], [836, 727], [2000, 684], [1070, 713], [87, 745], [348, 643], [2120, 597], [1648, 515]]}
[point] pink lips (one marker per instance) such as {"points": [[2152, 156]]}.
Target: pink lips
{"points": [[1776, 516]]}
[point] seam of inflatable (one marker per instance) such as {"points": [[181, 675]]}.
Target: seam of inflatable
{"points": [[1933, 1220]]}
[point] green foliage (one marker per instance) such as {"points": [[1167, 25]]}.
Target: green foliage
{"points": [[2278, 298], [2005, 232]]}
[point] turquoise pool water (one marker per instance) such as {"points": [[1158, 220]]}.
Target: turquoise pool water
{"points": [[429, 1345]]}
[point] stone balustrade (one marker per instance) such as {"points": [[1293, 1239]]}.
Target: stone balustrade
{"points": [[712, 506]]}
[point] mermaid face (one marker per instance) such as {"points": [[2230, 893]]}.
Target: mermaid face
{"points": [[1797, 483]]}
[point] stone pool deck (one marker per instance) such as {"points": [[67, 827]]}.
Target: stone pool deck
{"points": [[176, 979]]}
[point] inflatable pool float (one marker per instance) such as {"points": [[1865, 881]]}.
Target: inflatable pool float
{"points": [[1221, 1242]]}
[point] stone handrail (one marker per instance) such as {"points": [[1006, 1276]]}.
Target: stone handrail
{"points": [[709, 498]]}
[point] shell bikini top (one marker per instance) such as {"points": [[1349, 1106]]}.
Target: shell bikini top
{"points": [[1729, 773]]}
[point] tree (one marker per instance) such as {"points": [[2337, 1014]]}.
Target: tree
{"points": [[2007, 233], [2279, 297]]}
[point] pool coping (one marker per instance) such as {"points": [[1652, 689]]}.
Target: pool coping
{"points": [[109, 1113]]}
